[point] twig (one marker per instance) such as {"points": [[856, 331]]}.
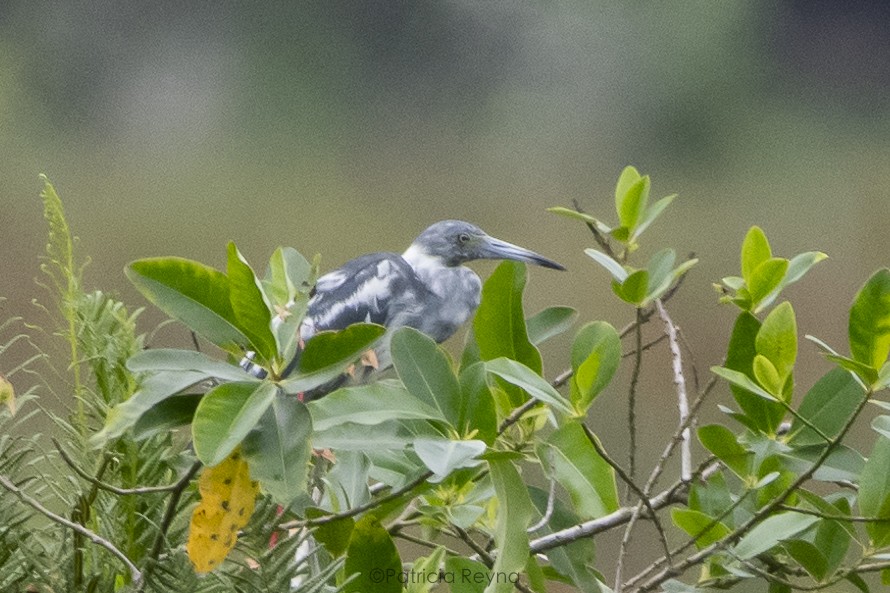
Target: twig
{"points": [[680, 383], [622, 551], [560, 380], [833, 517], [646, 346], [479, 550], [359, 509], [135, 573], [105, 486], [426, 544], [548, 511], [600, 239], [632, 397], [761, 514]]}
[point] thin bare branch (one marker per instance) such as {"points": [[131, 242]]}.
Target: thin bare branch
{"points": [[680, 383], [135, 573]]}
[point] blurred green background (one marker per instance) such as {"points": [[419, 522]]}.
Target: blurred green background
{"points": [[344, 127]]}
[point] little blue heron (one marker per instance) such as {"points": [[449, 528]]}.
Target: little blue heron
{"points": [[427, 287]]}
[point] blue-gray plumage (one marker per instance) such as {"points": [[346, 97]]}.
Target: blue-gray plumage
{"points": [[427, 287]]}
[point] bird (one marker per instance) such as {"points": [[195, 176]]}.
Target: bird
{"points": [[427, 287]]}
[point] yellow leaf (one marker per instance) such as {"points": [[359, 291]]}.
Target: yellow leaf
{"points": [[7, 394], [227, 498]]}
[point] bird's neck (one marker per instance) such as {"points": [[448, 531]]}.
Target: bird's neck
{"points": [[442, 279]]}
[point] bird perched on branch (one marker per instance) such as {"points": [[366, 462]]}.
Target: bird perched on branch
{"points": [[427, 287]]}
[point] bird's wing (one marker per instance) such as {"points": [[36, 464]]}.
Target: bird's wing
{"points": [[362, 290]]}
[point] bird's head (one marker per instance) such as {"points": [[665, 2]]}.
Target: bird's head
{"points": [[456, 242]]}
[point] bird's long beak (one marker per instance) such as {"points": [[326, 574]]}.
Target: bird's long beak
{"points": [[496, 249]]}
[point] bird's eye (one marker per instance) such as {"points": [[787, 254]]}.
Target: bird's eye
{"points": [[463, 238]]}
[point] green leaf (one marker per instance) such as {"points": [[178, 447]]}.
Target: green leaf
{"points": [[809, 557], [278, 449], [328, 349], [696, 525], [153, 390], [632, 203], [370, 404], [514, 514], [225, 415], [171, 359], [596, 353], [288, 275], [469, 576], [763, 414], [634, 288], [870, 321], [765, 278], [166, 415], [425, 571], [771, 531], [777, 339], [549, 322], [755, 251], [827, 406], [523, 377], [426, 372], [480, 419], [740, 380], [767, 375], [347, 482], [372, 556], [881, 425], [798, 266], [629, 175], [586, 476], [874, 492], [651, 214], [859, 369], [195, 294], [568, 213], [721, 441], [613, 267], [252, 310], [333, 535], [443, 456]]}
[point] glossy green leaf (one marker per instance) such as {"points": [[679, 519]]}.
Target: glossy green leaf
{"points": [[724, 444], [586, 476], [170, 359], [772, 530], [809, 557], [427, 373], [513, 516], [767, 375], [195, 294], [568, 213], [634, 288], [613, 267], [288, 275], [333, 535], [596, 353], [523, 377], [166, 415], [629, 175], [827, 406], [765, 278], [470, 576], [154, 389], [866, 374], [252, 310], [278, 449], [741, 380], [699, 526], [370, 404], [763, 414], [443, 456], [870, 321], [425, 572], [755, 251], [777, 339], [225, 415], [874, 492], [549, 323], [373, 558], [480, 420], [651, 214], [347, 483], [632, 203], [798, 266], [332, 348]]}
